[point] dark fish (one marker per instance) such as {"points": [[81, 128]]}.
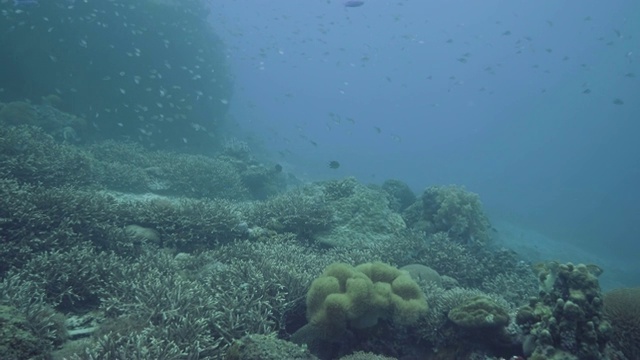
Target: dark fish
{"points": [[586, 91], [278, 168], [618, 101], [334, 164], [353, 3]]}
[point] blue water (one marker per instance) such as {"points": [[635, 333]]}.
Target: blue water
{"points": [[533, 105]]}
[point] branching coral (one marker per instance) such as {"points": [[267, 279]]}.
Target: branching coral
{"points": [[29, 155], [452, 210], [301, 212]]}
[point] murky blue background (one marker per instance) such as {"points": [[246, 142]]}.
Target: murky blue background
{"points": [[533, 105]]}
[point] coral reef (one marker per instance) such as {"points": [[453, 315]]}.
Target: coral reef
{"points": [[166, 173], [399, 194], [357, 298], [301, 212], [263, 347], [18, 113], [493, 270], [362, 216], [16, 341], [452, 210], [360, 355], [443, 334], [419, 272], [479, 313], [30, 155], [566, 321], [114, 251]]}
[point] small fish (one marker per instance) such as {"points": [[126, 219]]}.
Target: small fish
{"points": [[618, 101], [353, 3], [334, 164], [586, 91]]}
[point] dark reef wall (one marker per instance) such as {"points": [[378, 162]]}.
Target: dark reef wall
{"points": [[151, 71]]}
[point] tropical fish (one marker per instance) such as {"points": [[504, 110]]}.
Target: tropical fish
{"points": [[353, 3]]}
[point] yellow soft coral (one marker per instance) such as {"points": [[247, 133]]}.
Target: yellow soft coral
{"points": [[357, 297]]}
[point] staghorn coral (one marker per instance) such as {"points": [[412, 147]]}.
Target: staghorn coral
{"points": [[151, 306], [128, 166], [300, 212], [360, 355], [39, 219], [69, 280], [16, 341], [189, 225], [27, 301], [30, 155], [264, 347]]}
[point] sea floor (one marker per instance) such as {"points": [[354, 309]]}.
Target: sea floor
{"points": [[536, 247]]}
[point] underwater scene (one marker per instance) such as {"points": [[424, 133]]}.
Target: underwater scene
{"points": [[319, 179]]}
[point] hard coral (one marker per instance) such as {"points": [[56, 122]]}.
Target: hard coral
{"points": [[479, 313], [18, 113], [453, 210], [399, 194], [567, 320], [264, 347]]}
